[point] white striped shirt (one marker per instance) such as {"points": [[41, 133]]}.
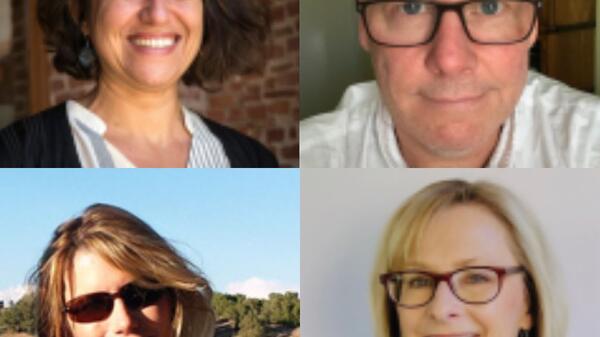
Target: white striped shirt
{"points": [[94, 151]]}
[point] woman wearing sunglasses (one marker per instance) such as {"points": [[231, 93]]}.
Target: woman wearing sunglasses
{"points": [[465, 259], [107, 273]]}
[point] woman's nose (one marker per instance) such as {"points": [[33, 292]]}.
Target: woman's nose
{"points": [[451, 51], [121, 320], [154, 11], [444, 305]]}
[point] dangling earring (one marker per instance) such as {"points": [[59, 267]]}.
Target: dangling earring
{"points": [[523, 333], [86, 55]]}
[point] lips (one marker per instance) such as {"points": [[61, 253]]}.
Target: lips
{"points": [[454, 92], [455, 99]]}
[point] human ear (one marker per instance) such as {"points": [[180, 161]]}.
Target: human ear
{"points": [[533, 36], [526, 322], [363, 37]]}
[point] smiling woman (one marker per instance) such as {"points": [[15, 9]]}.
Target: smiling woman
{"points": [[107, 273], [465, 259], [137, 52]]}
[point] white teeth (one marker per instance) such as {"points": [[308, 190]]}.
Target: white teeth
{"points": [[155, 43]]}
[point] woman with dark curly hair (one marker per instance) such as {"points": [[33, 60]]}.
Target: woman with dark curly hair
{"points": [[137, 51]]}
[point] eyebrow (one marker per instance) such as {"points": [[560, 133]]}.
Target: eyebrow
{"points": [[460, 264]]}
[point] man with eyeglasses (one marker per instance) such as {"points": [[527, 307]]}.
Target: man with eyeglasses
{"points": [[453, 89]]}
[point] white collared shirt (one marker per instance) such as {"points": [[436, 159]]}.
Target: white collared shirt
{"points": [[553, 125], [94, 150]]}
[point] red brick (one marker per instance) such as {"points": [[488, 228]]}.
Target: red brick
{"points": [[277, 13], [275, 51], [290, 152], [287, 80], [257, 112], [283, 32], [237, 84], [252, 93], [281, 67], [275, 135], [220, 101], [293, 8], [293, 44], [217, 115], [236, 114], [281, 93], [279, 107]]}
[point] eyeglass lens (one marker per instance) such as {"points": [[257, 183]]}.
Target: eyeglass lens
{"points": [[414, 22], [98, 306], [477, 285]]}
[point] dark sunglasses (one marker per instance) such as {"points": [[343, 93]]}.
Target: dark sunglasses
{"points": [[98, 306]]}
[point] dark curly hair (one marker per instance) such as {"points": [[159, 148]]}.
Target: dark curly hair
{"points": [[233, 38]]}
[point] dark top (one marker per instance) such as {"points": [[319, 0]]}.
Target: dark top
{"points": [[45, 140]]}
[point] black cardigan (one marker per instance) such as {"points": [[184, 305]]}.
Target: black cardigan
{"points": [[45, 140]]}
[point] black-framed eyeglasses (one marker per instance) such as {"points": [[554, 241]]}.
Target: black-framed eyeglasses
{"points": [[472, 285], [98, 306], [415, 22]]}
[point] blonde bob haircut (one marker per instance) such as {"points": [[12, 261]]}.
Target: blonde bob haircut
{"points": [[403, 233], [130, 245]]}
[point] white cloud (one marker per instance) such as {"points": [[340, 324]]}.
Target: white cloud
{"points": [[13, 294], [258, 288]]}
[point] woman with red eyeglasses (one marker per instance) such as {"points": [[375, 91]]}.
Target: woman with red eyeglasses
{"points": [[107, 273], [463, 259]]}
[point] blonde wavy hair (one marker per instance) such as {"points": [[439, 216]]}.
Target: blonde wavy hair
{"points": [[405, 229], [129, 244]]}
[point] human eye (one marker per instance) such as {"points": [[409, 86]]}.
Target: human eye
{"points": [[476, 277], [420, 281], [490, 7], [404, 8], [412, 7]]}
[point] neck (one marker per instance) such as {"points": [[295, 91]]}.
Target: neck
{"points": [[153, 116], [416, 155]]}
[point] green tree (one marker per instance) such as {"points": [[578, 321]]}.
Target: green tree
{"points": [[251, 326], [282, 309], [220, 303], [19, 317]]}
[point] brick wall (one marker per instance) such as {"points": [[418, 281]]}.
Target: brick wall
{"points": [[263, 106]]}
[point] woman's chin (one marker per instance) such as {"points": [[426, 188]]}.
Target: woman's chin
{"points": [[155, 79]]}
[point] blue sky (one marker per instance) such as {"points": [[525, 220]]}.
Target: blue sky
{"points": [[241, 227]]}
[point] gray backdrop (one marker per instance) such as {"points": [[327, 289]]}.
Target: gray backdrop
{"points": [[344, 211]]}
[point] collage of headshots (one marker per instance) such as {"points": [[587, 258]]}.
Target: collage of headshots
{"points": [[314, 168]]}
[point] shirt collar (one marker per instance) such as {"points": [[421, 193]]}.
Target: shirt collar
{"points": [[90, 119]]}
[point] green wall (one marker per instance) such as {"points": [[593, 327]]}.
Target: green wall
{"points": [[330, 55]]}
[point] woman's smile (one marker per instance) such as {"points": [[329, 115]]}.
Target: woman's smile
{"points": [[160, 44]]}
